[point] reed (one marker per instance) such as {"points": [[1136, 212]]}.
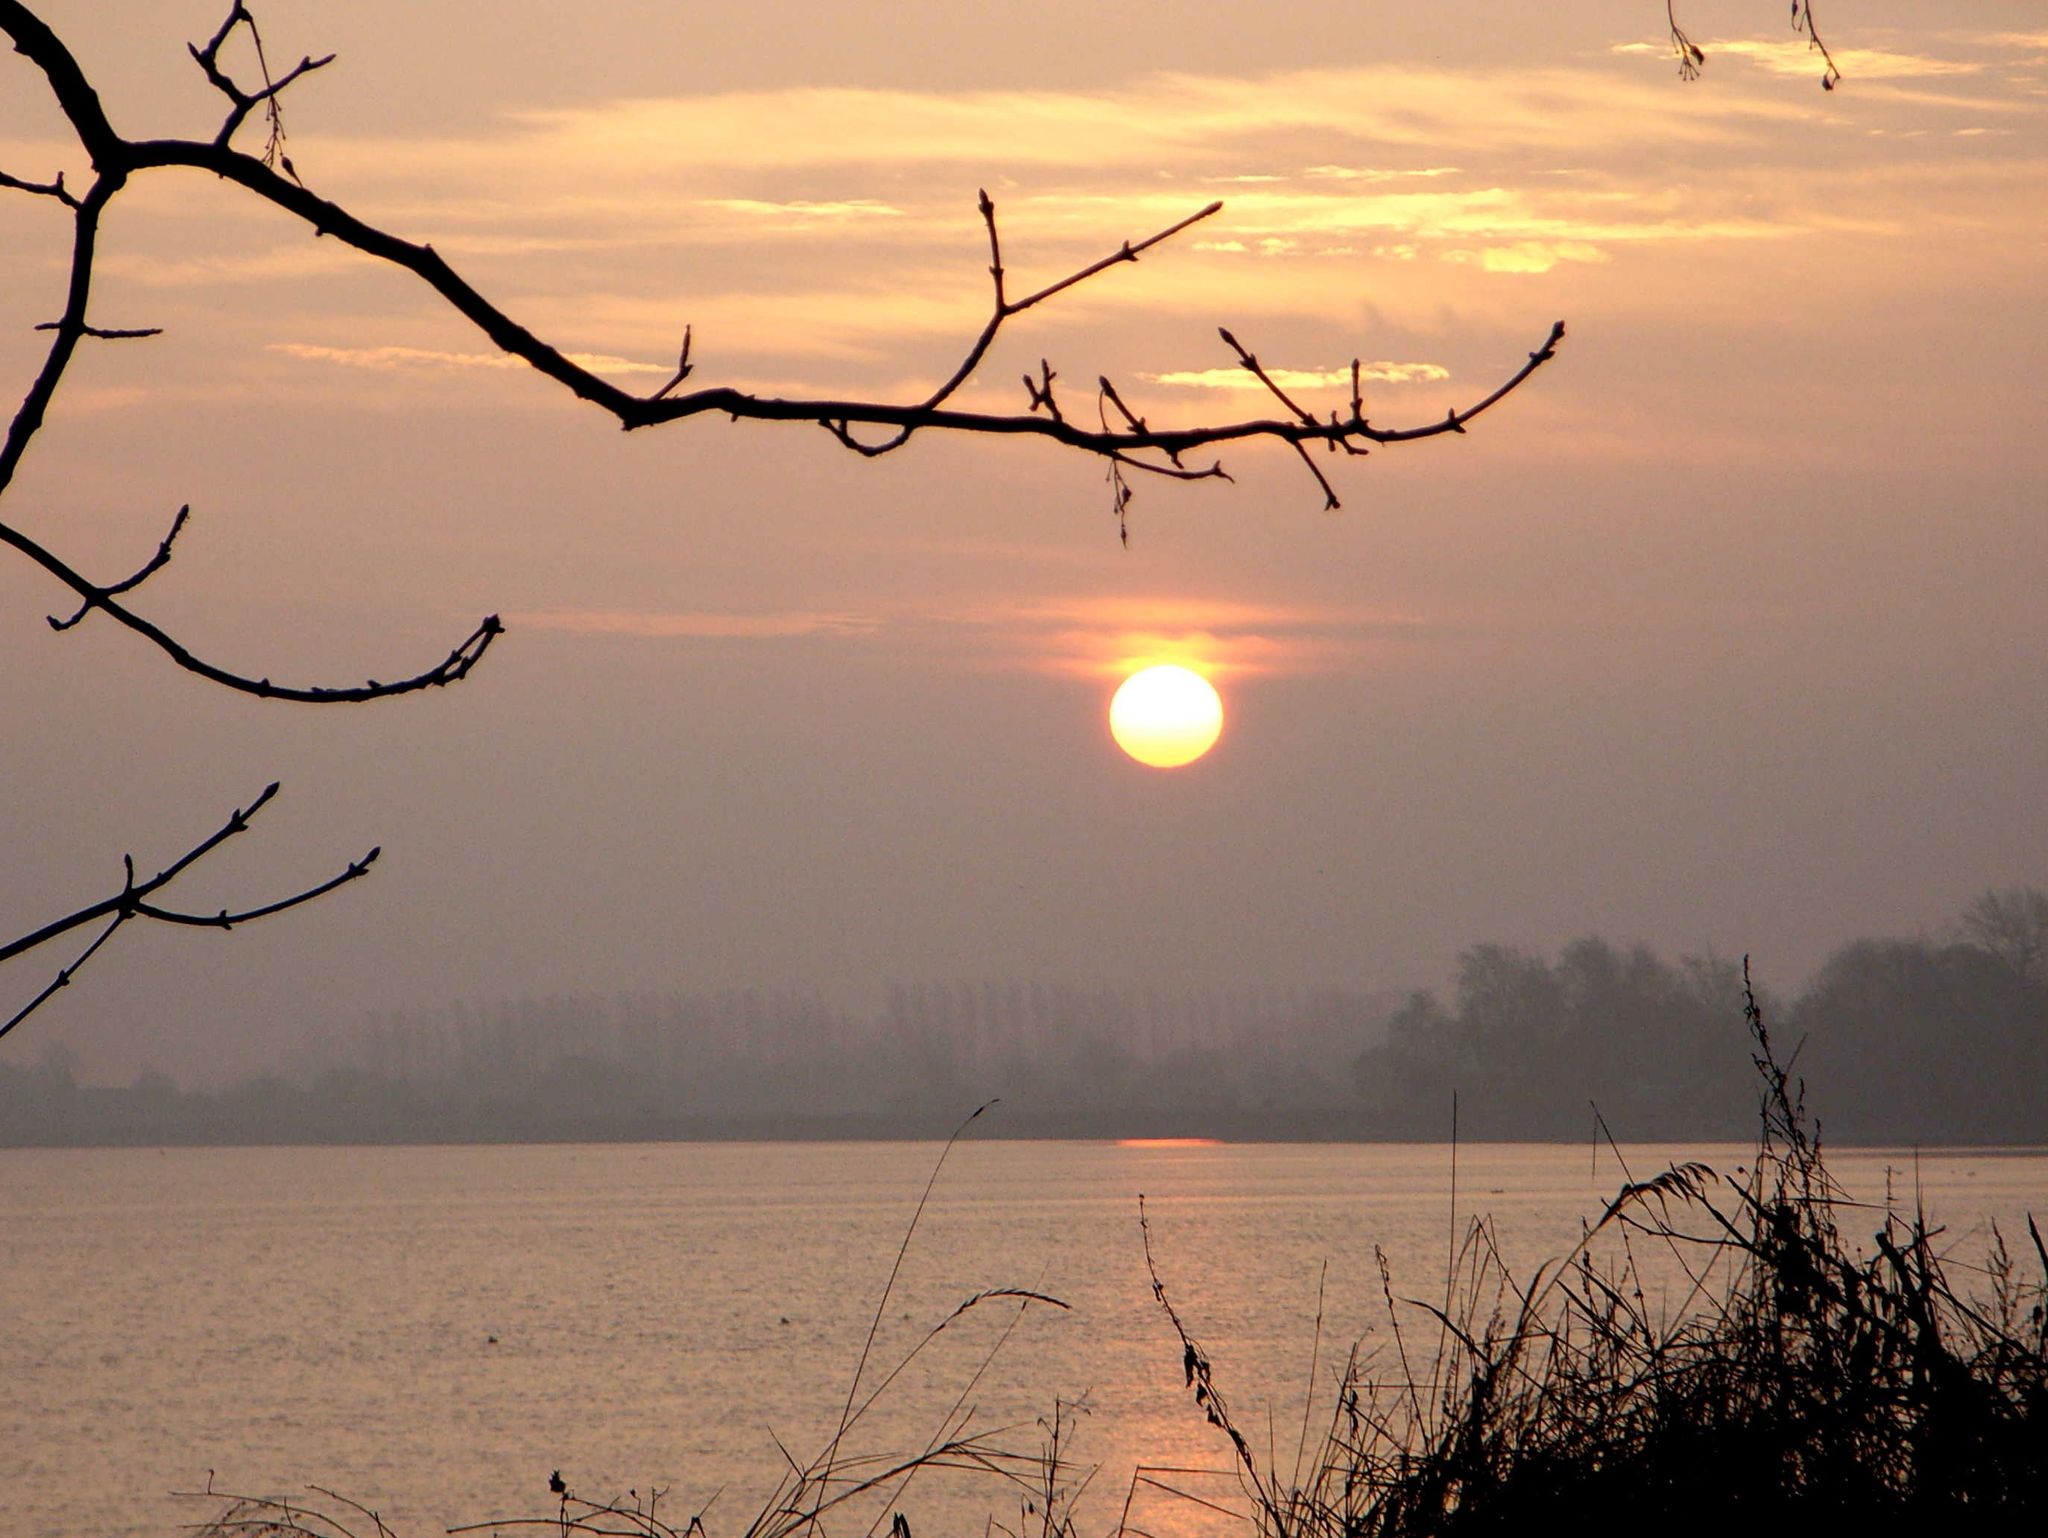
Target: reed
{"points": [[1800, 1378]]}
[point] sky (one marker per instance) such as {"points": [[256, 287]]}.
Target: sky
{"points": [[1724, 632]]}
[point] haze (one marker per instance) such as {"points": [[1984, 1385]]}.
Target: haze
{"points": [[1725, 632]]}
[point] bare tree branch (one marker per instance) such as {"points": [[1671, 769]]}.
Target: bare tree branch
{"points": [[133, 901], [450, 669], [119, 158], [72, 327]]}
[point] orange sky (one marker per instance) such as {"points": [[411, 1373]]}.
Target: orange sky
{"points": [[1725, 631]]}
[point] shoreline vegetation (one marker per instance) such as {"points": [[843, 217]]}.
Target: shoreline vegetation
{"points": [[1885, 1386], [1807, 1378]]}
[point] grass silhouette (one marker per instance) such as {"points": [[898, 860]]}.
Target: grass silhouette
{"points": [[1801, 1379]]}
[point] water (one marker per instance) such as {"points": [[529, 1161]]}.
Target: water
{"points": [[433, 1331]]}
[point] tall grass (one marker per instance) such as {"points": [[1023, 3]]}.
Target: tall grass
{"points": [[1800, 1378]]}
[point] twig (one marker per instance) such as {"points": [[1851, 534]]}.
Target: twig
{"points": [[1802, 21], [1690, 59], [104, 333], [51, 189], [240, 102], [149, 568], [133, 901]]}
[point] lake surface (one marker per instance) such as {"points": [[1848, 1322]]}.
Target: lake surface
{"points": [[434, 1330]]}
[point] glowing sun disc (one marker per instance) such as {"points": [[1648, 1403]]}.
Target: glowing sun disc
{"points": [[1166, 716]]}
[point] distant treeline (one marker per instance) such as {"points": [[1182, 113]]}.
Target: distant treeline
{"points": [[1066, 1060], [1909, 1041], [1917, 1040]]}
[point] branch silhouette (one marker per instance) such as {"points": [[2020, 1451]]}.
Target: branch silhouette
{"points": [[136, 900], [113, 162], [271, 177], [1692, 58]]}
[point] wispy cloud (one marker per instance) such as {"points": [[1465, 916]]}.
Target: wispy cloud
{"points": [[1528, 255], [1093, 638], [1374, 173], [1796, 57], [1381, 371], [1160, 120], [808, 209], [1110, 636], [827, 236], [276, 264], [702, 625], [393, 357], [2021, 42]]}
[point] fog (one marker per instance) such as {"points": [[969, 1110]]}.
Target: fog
{"points": [[1723, 631]]}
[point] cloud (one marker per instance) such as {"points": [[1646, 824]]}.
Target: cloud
{"points": [[430, 358], [1529, 255], [1374, 174], [806, 209], [1108, 637], [1213, 124], [1798, 58], [704, 625], [827, 237], [1092, 638], [1237, 378], [288, 263]]}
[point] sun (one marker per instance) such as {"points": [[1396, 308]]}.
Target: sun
{"points": [[1166, 716]]}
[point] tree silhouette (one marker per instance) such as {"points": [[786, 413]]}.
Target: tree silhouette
{"points": [[2012, 924], [1106, 428]]}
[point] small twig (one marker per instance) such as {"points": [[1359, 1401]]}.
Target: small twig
{"points": [[64, 975], [1330, 502], [227, 920], [50, 189], [1040, 390], [1128, 253], [1173, 472], [1802, 21], [1690, 59], [1132, 420], [1251, 363], [240, 102], [103, 333], [682, 368], [149, 568]]}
